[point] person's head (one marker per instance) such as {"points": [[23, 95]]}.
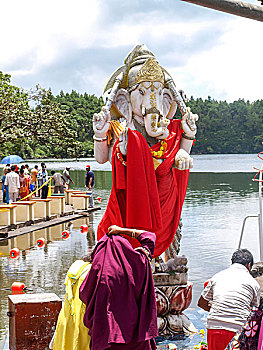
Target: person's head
{"points": [[21, 171], [43, 166], [36, 166], [9, 170], [243, 257], [22, 167], [13, 168], [27, 166], [42, 163], [8, 165], [88, 167], [67, 168], [52, 172]]}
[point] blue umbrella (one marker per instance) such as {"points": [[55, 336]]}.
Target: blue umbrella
{"points": [[12, 159]]}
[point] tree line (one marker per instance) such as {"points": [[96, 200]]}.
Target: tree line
{"points": [[37, 124]]}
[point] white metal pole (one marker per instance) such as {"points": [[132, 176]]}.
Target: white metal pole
{"points": [[260, 227], [234, 7]]}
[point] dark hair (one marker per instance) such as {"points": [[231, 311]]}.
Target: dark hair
{"points": [[243, 257], [13, 167], [52, 172], [21, 171], [36, 166], [22, 167], [26, 166]]}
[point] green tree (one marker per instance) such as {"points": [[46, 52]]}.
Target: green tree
{"points": [[81, 108], [33, 124], [14, 113]]}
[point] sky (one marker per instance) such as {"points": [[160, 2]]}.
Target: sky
{"points": [[76, 45]]}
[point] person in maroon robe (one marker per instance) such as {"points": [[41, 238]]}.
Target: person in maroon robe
{"points": [[119, 293]]}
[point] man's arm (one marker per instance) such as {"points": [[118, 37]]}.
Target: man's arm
{"points": [[71, 179], [68, 177], [17, 182], [204, 304], [90, 181]]}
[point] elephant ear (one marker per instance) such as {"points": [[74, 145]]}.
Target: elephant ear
{"points": [[123, 105], [169, 105]]}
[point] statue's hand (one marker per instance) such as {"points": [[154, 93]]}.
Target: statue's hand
{"points": [[182, 160], [123, 141], [188, 123], [101, 122]]}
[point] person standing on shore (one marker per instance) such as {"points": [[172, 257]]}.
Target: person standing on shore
{"points": [[67, 178], [5, 188], [42, 178], [90, 181], [229, 296], [24, 191], [12, 181], [7, 169], [58, 181], [26, 170], [33, 180]]}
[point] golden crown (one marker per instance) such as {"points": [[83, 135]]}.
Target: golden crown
{"points": [[150, 71]]}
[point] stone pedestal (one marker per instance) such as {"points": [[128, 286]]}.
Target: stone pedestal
{"points": [[57, 204], [25, 211], [32, 319], [171, 301], [42, 208], [173, 291], [7, 214], [80, 201]]}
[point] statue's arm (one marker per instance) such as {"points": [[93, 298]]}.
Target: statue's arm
{"points": [[101, 124], [183, 160], [102, 152]]}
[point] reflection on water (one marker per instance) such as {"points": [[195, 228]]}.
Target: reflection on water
{"points": [[212, 216]]}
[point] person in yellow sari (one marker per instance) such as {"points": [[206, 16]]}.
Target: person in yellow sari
{"points": [[71, 334]]}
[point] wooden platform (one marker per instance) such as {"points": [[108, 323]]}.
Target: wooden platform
{"points": [[56, 220]]}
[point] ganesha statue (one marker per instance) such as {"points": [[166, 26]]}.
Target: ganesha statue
{"points": [[149, 149]]}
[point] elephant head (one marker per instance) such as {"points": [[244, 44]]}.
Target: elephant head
{"points": [[149, 104], [147, 100]]}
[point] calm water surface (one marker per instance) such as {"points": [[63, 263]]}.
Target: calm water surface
{"points": [[214, 208]]}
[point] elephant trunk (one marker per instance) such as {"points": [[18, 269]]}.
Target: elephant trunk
{"points": [[155, 124]]}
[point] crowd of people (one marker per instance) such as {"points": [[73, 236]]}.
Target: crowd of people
{"points": [[21, 183]]}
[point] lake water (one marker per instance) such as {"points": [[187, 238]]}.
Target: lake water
{"points": [[220, 194]]}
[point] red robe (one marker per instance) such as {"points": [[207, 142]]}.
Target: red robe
{"points": [[142, 197]]}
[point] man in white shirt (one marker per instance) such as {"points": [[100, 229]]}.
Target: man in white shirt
{"points": [[228, 297], [66, 177], [12, 181]]}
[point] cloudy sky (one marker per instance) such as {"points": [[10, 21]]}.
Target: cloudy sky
{"points": [[76, 45]]}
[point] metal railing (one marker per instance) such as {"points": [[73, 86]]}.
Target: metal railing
{"points": [[259, 216]]}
